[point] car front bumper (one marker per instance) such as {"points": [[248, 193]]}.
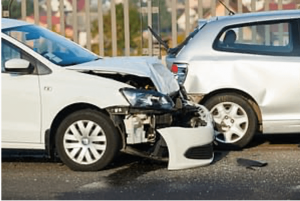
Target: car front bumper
{"points": [[189, 147]]}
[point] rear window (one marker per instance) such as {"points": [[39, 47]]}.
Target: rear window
{"points": [[263, 38]]}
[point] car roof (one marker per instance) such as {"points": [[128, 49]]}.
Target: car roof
{"points": [[9, 23], [261, 16]]}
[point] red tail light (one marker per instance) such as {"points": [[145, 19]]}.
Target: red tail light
{"points": [[174, 68]]}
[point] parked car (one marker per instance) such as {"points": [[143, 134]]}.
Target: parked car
{"points": [[63, 98], [245, 69]]}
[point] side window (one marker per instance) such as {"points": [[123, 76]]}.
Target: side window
{"points": [[267, 39], [8, 52]]}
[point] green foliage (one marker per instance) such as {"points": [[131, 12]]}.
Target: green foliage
{"points": [[165, 18], [134, 29], [15, 9]]}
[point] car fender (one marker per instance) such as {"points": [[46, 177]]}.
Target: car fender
{"points": [[97, 91]]}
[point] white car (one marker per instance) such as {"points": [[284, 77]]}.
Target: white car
{"points": [[245, 69], [62, 98]]}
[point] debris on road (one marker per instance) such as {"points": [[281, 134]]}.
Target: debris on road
{"points": [[251, 163]]}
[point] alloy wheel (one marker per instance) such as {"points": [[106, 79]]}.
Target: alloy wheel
{"points": [[231, 120]]}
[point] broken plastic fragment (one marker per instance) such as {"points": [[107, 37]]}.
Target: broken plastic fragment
{"points": [[251, 163]]}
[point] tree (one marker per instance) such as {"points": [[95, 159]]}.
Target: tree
{"points": [[15, 9], [134, 28]]}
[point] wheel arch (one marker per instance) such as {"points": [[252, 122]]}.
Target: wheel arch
{"points": [[245, 95], [51, 133]]}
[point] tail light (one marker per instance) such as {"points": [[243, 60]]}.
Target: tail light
{"points": [[174, 68], [180, 72]]}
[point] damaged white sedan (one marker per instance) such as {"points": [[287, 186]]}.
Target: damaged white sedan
{"points": [[62, 98]]}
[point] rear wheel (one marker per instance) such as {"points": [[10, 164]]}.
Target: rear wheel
{"points": [[87, 140], [235, 120]]}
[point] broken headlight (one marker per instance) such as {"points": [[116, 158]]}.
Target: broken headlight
{"points": [[147, 99]]}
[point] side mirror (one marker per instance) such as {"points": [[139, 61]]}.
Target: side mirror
{"points": [[18, 66]]}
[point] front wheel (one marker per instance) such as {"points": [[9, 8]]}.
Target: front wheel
{"points": [[87, 140], [236, 122]]}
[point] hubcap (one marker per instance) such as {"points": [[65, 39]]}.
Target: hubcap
{"points": [[231, 120], [85, 142]]}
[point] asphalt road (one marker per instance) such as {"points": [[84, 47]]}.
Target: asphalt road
{"points": [[32, 176]]}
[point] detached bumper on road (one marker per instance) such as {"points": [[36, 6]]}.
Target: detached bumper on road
{"points": [[189, 147]]}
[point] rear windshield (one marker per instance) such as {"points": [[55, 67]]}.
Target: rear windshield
{"points": [[174, 51]]}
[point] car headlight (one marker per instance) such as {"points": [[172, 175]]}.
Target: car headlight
{"points": [[147, 99]]}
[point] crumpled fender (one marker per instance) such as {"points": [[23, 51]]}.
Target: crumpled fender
{"points": [[182, 142]]}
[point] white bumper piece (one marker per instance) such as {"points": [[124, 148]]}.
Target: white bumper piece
{"points": [[189, 147]]}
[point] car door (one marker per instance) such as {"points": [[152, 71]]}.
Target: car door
{"points": [[277, 65], [21, 104], [264, 57]]}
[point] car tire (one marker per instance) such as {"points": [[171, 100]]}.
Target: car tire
{"points": [[235, 120], [87, 140]]}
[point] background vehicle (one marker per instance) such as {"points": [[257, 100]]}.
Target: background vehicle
{"points": [[60, 97], [245, 69]]}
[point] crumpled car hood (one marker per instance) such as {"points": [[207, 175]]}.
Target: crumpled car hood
{"points": [[149, 67]]}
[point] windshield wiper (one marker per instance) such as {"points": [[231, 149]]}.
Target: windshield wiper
{"points": [[174, 50], [164, 44], [159, 39]]}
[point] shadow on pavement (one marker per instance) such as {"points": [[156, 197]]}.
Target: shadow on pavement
{"points": [[19, 155], [40, 156], [275, 139]]}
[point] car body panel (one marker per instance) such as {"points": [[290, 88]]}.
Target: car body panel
{"points": [[273, 82], [249, 76], [66, 81], [140, 66], [19, 99], [179, 144], [71, 82]]}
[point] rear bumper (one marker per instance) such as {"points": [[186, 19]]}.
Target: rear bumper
{"points": [[189, 147]]}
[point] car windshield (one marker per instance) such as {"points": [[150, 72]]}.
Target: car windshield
{"points": [[52, 46]]}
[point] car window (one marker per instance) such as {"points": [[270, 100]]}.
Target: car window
{"points": [[53, 47], [8, 52], [263, 38]]}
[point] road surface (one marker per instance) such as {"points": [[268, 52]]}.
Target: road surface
{"points": [[32, 176]]}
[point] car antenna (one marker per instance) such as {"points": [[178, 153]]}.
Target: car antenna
{"points": [[230, 11]]}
